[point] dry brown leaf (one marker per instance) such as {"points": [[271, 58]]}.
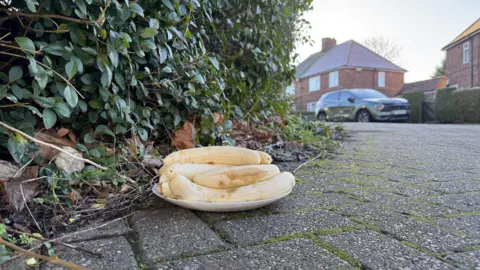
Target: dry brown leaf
{"points": [[7, 170], [62, 132], [125, 188], [72, 137], [50, 136], [13, 189], [218, 118], [184, 137]]}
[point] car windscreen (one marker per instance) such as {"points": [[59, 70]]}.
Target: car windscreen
{"points": [[367, 94]]}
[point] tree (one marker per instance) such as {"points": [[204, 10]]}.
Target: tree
{"points": [[439, 69], [384, 47]]}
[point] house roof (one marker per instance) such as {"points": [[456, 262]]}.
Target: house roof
{"points": [[347, 54], [421, 86], [472, 29]]}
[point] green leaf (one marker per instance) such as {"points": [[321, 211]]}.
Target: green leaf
{"points": [[62, 109], [177, 120], [86, 79], [106, 77], [113, 56], [188, 34], [214, 62], [17, 91], [71, 68], [142, 133], [81, 5], [148, 32], [15, 74], [31, 5], [89, 50], [135, 8], [71, 96], [25, 43], [167, 69], [83, 105], [163, 54], [103, 129], [96, 104], [49, 118], [88, 138], [153, 23], [78, 37], [168, 4], [34, 110]]}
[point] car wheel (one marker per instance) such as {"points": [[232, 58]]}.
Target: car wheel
{"points": [[322, 117], [363, 116]]}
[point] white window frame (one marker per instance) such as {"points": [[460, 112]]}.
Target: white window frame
{"points": [[314, 83], [311, 106], [381, 79], [466, 52], [333, 79]]}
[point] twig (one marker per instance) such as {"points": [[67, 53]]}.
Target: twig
{"points": [[308, 161], [52, 146], [54, 260], [56, 242], [77, 232], [48, 16], [28, 208], [4, 36], [47, 67], [21, 169], [13, 105]]}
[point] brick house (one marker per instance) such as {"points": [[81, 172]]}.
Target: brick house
{"points": [[345, 66], [463, 58]]}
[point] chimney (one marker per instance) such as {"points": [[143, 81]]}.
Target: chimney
{"points": [[327, 43]]}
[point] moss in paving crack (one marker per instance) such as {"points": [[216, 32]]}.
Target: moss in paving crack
{"points": [[299, 181], [339, 253], [366, 224], [469, 249], [190, 255], [337, 230], [424, 250], [460, 214]]}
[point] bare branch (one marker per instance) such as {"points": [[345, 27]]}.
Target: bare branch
{"points": [[384, 47]]}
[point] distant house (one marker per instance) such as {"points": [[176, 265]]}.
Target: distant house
{"points": [[345, 66], [428, 87], [462, 66]]}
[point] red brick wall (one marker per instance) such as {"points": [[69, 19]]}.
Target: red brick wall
{"points": [[348, 78], [459, 73]]}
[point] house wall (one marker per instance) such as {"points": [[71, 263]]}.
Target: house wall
{"points": [[464, 75], [349, 78]]}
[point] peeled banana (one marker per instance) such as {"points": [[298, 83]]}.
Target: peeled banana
{"points": [[237, 176], [227, 155], [265, 158], [189, 170]]}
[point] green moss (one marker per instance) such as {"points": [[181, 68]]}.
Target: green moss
{"points": [[283, 238], [469, 249], [461, 214], [366, 224], [337, 230], [422, 249], [339, 253], [299, 181]]}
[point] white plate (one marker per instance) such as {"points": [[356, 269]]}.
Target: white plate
{"points": [[219, 207], [397, 112]]}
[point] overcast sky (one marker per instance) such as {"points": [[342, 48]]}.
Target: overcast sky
{"points": [[420, 27]]}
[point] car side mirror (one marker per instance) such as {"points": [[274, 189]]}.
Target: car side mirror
{"points": [[351, 99]]}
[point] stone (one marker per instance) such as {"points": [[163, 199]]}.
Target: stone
{"points": [[67, 163], [457, 186], [291, 254], [308, 202], [261, 228], [171, 233], [465, 260], [466, 202], [116, 228]]}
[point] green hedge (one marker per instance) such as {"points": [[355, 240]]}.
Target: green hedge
{"points": [[415, 99], [459, 106], [444, 105]]}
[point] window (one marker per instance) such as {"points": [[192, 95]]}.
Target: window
{"points": [[381, 79], [345, 95], [335, 96], [466, 52], [311, 106], [333, 79], [314, 83]]}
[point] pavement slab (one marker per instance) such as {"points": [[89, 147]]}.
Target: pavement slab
{"points": [[468, 224], [309, 201], [457, 186], [261, 228], [378, 251], [468, 260], [409, 229], [465, 202], [116, 254], [170, 233], [291, 254]]}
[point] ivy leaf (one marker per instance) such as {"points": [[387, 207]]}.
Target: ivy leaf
{"points": [[168, 4], [71, 96], [62, 109], [214, 62], [15, 73], [153, 23], [135, 8], [71, 68], [148, 32], [49, 118], [25, 43], [106, 77]]}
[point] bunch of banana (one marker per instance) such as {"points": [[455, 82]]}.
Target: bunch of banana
{"points": [[222, 174]]}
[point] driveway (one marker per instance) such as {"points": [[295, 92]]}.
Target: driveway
{"points": [[398, 196]]}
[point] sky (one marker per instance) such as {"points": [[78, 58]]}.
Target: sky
{"points": [[421, 27]]}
